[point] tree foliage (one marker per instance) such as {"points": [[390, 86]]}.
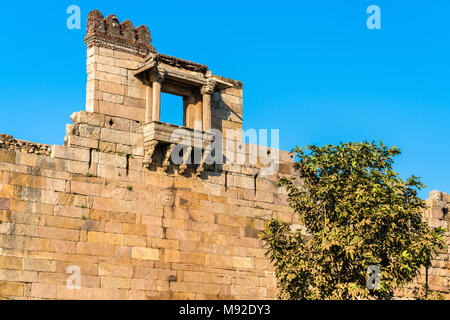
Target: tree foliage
{"points": [[358, 213]]}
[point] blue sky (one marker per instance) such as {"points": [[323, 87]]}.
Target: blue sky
{"points": [[310, 68]]}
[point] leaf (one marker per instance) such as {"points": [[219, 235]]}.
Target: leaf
{"points": [[357, 213]]}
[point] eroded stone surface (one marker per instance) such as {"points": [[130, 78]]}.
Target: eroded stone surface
{"points": [[137, 232]]}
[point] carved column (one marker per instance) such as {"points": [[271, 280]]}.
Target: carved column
{"points": [[198, 114], [148, 102], [207, 90], [157, 78]]}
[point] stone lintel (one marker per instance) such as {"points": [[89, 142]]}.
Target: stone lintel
{"points": [[181, 63]]}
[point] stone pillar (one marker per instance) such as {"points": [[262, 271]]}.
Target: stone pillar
{"points": [[148, 102], [156, 79], [198, 114], [207, 90], [156, 105], [189, 103]]}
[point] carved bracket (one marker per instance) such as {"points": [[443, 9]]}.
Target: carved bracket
{"points": [[167, 134], [149, 150], [183, 165], [169, 151]]}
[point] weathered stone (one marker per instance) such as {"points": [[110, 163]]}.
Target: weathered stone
{"points": [[137, 232], [70, 153], [145, 253]]}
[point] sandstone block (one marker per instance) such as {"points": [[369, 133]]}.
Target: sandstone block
{"points": [[135, 241], [94, 119], [143, 284], [78, 167], [27, 180], [9, 275], [105, 294], [123, 149], [107, 204], [95, 249], [6, 190], [221, 261], [110, 69], [133, 113], [58, 233], [72, 212], [39, 265], [104, 76], [107, 146], [194, 276], [77, 141], [164, 243], [7, 156], [4, 204], [193, 258], [135, 92], [27, 159], [114, 160], [11, 289], [172, 256], [127, 64], [109, 238], [111, 87], [119, 283], [115, 270], [115, 136], [101, 58], [10, 263], [136, 229], [145, 253], [88, 131], [70, 153], [41, 290], [55, 184]]}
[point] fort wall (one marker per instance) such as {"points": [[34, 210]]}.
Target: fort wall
{"points": [[112, 203]]}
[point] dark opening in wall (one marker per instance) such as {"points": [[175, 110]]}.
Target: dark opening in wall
{"points": [[127, 169], [171, 109], [226, 180]]}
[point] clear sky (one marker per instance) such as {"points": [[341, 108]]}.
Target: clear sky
{"points": [[310, 68]]}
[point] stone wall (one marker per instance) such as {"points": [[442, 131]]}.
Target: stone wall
{"points": [[135, 233], [141, 231], [227, 108], [437, 216], [437, 277], [138, 233]]}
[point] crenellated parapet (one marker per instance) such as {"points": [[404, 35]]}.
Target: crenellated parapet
{"points": [[109, 33]]}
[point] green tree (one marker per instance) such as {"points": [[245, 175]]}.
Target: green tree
{"points": [[357, 213]]}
